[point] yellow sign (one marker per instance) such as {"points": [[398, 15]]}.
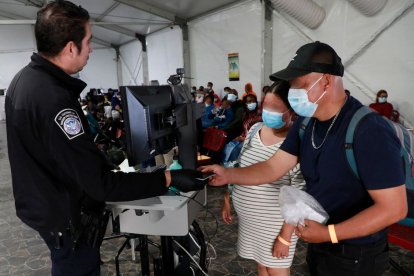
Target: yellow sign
{"points": [[234, 69]]}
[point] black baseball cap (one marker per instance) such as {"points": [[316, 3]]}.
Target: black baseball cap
{"points": [[311, 57]]}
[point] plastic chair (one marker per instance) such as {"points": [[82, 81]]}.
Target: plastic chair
{"points": [[402, 236], [402, 233], [214, 139]]}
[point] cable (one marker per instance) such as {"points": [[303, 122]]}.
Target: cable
{"points": [[214, 250], [211, 213], [191, 257]]}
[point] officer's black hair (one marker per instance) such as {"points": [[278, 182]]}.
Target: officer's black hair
{"points": [[59, 23]]}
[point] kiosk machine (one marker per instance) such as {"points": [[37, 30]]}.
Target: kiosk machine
{"points": [[158, 118]]}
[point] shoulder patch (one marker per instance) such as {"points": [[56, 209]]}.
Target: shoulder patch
{"points": [[69, 122]]}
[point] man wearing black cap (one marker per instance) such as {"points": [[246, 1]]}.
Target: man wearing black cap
{"points": [[360, 209]]}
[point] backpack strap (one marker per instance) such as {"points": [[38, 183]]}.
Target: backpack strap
{"points": [[349, 138], [255, 128], [303, 126], [407, 152]]}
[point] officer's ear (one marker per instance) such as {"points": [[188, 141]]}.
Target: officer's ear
{"points": [[70, 49]]}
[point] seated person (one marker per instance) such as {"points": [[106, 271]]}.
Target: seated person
{"points": [[235, 127], [248, 88], [381, 105], [199, 97], [216, 99], [226, 91], [251, 115], [224, 115], [208, 118]]}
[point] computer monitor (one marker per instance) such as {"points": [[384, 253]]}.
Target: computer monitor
{"points": [[149, 124], [157, 118]]}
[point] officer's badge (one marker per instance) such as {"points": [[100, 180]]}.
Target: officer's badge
{"points": [[69, 122]]}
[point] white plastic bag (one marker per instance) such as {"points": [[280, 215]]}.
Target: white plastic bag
{"points": [[297, 205]]}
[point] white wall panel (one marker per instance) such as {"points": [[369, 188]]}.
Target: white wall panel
{"points": [[18, 44], [10, 64], [132, 63], [389, 64], [16, 38], [377, 56], [16, 47], [100, 72], [236, 29], [165, 54]]}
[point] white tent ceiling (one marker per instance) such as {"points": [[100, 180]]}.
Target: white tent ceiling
{"points": [[117, 22]]}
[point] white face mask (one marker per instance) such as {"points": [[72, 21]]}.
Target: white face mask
{"points": [[231, 97], [382, 99], [299, 101], [200, 98], [251, 106]]}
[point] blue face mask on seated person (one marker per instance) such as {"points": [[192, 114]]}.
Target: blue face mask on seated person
{"points": [[251, 106], [231, 97], [299, 101], [273, 119]]}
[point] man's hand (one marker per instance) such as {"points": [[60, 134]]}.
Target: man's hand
{"points": [[221, 176], [187, 180], [280, 250], [313, 232]]}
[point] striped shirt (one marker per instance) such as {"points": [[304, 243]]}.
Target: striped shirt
{"points": [[258, 209]]}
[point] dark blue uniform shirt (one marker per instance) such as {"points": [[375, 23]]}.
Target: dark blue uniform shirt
{"points": [[328, 176], [54, 162]]}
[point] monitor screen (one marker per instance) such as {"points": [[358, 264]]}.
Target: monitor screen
{"points": [[149, 121]]}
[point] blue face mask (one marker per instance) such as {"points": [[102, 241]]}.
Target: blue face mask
{"points": [[298, 99], [231, 97], [273, 119], [251, 106]]}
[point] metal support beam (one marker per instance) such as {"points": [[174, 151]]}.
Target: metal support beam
{"points": [[118, 29], [108, 10], [11, 15], [101, 42], [186, 55], [145, 71], [149, 9], [114, 28], [214, 10], [267, 42], [35, 3], [118, 65], [18, 22]]}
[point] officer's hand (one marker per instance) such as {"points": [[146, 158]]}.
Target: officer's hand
{"points": [[187, 180]]}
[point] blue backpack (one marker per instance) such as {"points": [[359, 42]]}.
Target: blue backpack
{"points": [[407, 152]]}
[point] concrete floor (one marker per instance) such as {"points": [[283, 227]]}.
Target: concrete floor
{"points": [[22, 252]]}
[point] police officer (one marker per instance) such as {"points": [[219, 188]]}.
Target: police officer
{"points": [[54, 163]]}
